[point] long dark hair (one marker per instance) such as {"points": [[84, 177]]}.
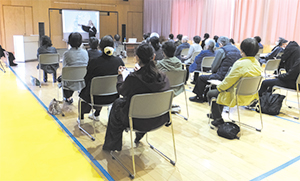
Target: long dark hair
{"points": [[145, 54], [155, 43]]}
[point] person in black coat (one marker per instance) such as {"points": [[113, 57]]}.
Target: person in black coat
{"points": [[93, 52], [11, 56], [147, 79], [106, 64], [279, 48], [291, 59], [90, 28]]}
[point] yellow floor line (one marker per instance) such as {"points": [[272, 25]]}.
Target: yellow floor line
{"points": [[32, 146]]}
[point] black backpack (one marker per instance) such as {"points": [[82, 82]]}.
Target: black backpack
{"points": [[270, 103], [228, 130]]}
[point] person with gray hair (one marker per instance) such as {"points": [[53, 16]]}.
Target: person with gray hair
{"points": [[208, 52], [224, 59], [193, 48], [182, 46]]}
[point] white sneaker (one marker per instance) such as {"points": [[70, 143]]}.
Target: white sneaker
{"points": [[92, 117]]}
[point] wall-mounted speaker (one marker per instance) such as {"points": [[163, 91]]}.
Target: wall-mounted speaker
{"points": [[125, 0], [41, 29], [123, 32]]}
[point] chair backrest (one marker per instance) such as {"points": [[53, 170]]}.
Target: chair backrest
{"points": [[207, 62], [49, 58], [248, 85], [176, 78], [272, 65], [194, 55], [184, 51], [104, 85], [298, 79], [74, 73], [150, 105]]}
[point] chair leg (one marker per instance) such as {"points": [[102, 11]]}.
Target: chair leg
{"points": [[162, 154], [3, 69], [187, 110], [79, 121], [40, 76]]}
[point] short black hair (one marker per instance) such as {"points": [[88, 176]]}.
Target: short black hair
{"points": [[117, 37], [216, 37], [258, 39], [206, 35], [232, 41], [46, 41], [75, 40], [106, 41], [93, 42], [179, 37], [197, 39], [169, 48], [250, 47], [171, 36]]}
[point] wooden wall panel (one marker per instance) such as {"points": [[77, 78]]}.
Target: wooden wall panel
{"points": [[56, 29], [14, 24], [108, 24], [135, 25], [28, 20]]}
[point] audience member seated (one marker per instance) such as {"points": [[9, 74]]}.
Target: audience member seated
{"points": [[145, 80], [193, 48], [184, 45], [275, 51], [247, 66], [179, 38], [75, 56], [224, 59], [46, 47], [159, 55], [258, 39], [292, 67], [117, 41], [291, 52], [93, 52], [171, 38], [208, 52], [146, 38], [216, 41], [170, 62], [103, 65], [10, 55], [206, 36], [154, 34], [232, 41]]}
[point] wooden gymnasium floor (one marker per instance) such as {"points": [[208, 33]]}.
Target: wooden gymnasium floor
{"points": [[37, 146]]}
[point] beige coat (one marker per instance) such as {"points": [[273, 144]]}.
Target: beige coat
{"points": [[244, 67]]}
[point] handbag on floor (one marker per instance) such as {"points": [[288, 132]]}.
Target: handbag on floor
{"points": [[270, 103], [228, 130], [54, 108]]}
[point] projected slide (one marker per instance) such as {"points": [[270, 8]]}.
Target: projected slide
{"points": [[71, 19]]}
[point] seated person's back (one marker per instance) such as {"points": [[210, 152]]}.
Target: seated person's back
{"points": [[93, 52]]}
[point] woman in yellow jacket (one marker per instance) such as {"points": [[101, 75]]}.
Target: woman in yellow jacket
{"points": [[247, 66]]}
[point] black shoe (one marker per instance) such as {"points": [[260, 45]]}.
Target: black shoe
{"points": [[210, 116], [193, 82], [45, 80], [69, 101], [253, 103], [12, 64], [217, 122], [196, 99]]}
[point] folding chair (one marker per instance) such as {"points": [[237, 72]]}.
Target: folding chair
{"points": [[47, 59], [271, 65], [149, 106], [292, 90], [72, 74], [246, 86], [177, 80], [184, 52], [206, 63], [100, 86]]}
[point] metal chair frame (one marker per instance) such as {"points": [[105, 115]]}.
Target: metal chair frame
{"points": [[272, 65], [139, 108], [243, 88], [47, 59], [206, 63], [177, 79], [291, 90], [100, 86]]}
